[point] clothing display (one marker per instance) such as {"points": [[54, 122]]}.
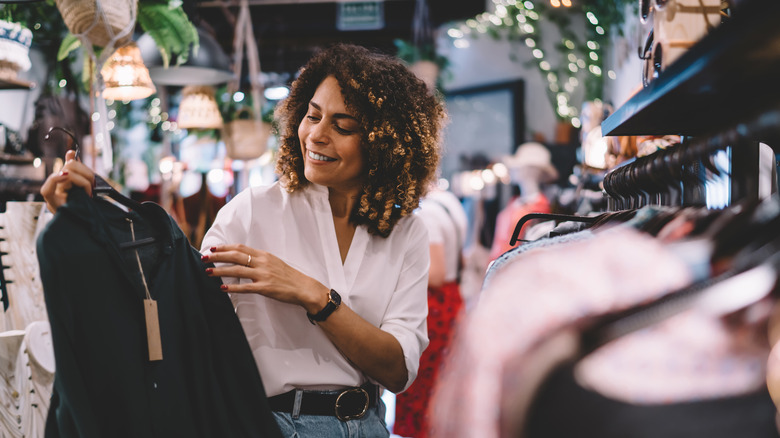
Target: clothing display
{"points": [[702, 357], [447, 224], [573, 232], [298, 228], [749, 415], [508, 217], [26, 353], [533, 298], [23, 301], [98, 263], [445, 307], [27, 370], [445, 219]]}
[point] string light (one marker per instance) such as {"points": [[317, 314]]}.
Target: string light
{"points": [[522, 16]]}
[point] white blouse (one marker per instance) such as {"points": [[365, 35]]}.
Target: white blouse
{"points": [[384, 280]]}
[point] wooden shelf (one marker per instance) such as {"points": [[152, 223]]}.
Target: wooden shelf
{"points": [[16, 84], [16, 159], [729, 76]]}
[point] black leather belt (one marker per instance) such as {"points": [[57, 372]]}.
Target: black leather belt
{"points": [[351, 403]]}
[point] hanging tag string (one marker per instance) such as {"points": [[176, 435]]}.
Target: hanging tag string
{"points": [[151, 317], [138, 259]]}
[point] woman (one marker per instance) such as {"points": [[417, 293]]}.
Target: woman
{"points": [[327, 268]]}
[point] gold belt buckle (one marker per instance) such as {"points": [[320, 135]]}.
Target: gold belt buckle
{"points": [[352, 417]]}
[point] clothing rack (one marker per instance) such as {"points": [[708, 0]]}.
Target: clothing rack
{"points": [[678, 175]]}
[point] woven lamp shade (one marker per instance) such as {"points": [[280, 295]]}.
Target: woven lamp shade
{"points": [[198, 108], [125, 75]]}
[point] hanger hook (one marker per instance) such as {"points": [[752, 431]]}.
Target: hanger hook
{"points": [[70, 134]]}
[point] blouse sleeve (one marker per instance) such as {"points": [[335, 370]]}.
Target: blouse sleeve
{"points": [[230, 226], [408, 309]]}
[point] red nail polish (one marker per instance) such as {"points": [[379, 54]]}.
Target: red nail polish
{"points": [[223, 287], [64, 172], [209, 271], [213, 249], [204, 258]]}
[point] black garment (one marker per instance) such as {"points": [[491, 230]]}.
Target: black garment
{"points": [[207, 384], [564, 409]]}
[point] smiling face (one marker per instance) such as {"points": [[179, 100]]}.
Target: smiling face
{"points": [[331, 141]]}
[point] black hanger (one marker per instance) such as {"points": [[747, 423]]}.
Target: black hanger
{"points": [[102, 187], [746, 236], [560, 217]]}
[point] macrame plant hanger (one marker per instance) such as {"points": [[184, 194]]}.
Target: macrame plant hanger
{"points": [[245, 34], [246, 139]]}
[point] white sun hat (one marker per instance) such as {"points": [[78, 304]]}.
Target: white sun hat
{"points": [[534, 155]]}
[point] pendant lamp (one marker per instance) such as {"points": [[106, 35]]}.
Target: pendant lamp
{"points": [[209, 65], [125, 75], [198, 108]]}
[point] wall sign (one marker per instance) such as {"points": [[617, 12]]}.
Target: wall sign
{"points": [[360, 15]]}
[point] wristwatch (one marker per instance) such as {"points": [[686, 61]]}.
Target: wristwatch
{"points": [[334, 301]]}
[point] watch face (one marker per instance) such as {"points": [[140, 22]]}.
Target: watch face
{"points": [[335, 297]]}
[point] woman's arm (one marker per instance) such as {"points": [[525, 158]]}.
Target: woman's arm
{"points": [[373, 351], [438, 271]]}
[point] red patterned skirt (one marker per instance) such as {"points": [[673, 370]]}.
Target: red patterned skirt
{"points": [[444, 308]]}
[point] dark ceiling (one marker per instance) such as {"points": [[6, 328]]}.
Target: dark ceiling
{"points": [[288, 31]]}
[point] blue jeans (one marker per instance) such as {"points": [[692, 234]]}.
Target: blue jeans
{"points": [[372, 425]]}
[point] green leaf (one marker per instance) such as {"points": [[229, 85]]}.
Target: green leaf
{"points": [[171, 30], [68, 44]]}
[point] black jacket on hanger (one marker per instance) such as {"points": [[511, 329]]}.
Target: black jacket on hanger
{"points": [[207, 383]]}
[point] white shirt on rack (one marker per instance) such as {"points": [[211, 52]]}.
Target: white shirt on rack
{"points": [[447, 225], [384, 280]]}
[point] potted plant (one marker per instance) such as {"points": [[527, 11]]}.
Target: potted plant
{"points": [[164, 20], [15, 42], [422, 60]]}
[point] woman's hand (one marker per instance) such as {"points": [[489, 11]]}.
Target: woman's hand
{"points": [[270, 276], [74, 173], [375, 352]]}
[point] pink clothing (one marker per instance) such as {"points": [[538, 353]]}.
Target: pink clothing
{"points": [[508, 218], [541, 293]]}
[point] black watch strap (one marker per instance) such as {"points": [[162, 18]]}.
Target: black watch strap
{"points": [[334, 301]]}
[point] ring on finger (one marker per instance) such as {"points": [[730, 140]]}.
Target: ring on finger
{"points": [[248, 260]]}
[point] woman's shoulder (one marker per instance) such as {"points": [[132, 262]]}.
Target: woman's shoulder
{"points": [[264, 193], [411, 226]]}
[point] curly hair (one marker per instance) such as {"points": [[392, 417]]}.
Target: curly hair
{"points": [[401, 123]]}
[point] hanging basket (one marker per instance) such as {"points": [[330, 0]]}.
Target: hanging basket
{"points": [[99, 20], [426, 70], [246, 139]]}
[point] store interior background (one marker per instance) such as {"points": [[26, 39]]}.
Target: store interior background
{"points": [[487, 68], [496, 95], [477, 85]]}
